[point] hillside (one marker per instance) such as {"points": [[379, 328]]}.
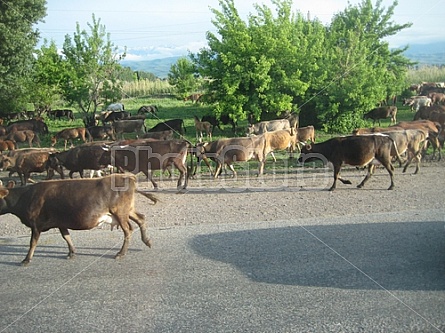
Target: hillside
{"points": [[425, 54]]}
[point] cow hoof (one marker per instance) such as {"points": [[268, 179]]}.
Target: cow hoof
{"points": [[391, 187], [359, 185], [25, 263], [118, 256], [148, 243], [71, 256]]}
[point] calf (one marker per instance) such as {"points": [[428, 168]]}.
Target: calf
{"points": [[353, 150], [129, 126], [152, 109], [68, 134], [68, 204], [28, 136], [31, 161], [230, 150], [305, 134], [382, 113], [148, 155]]}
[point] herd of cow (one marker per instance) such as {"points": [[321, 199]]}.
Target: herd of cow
{"points": [[61, 204]]}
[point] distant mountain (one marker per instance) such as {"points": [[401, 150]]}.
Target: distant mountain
{"points": [[430, 54], [159, 67]]}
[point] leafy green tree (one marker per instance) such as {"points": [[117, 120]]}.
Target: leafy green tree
{"points": [[92, 68], [47, 76], [18, 38], [183, 76], [361, 69]]}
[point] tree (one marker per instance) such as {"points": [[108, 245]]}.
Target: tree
{"points": [[284, 61], [18, 40], [92, 68], [182, 75], [47, 76]]}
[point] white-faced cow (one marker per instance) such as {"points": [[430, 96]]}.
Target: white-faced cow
{"points": [[352, 150], [77, 204]]}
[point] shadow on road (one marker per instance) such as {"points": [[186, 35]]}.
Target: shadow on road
{"points": [[393, 256]]}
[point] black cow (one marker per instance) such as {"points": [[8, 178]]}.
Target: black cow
{"points": [[177, 125], [352, 150]]}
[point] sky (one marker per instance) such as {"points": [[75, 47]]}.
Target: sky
{"points": [[154, 29]]}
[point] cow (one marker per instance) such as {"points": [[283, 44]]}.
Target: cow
{"points": [[115, 107], [226, 120], [437, 98], [193, 97], [58, 114], [416, 102], [84, 157], [35, 125], [268, 126], [352, 150], [278, 140], [305, 134], [68, 204], [101, 132], [28, 136], [202, 126], [382, 113], [32, 161], [177, 125], [162, 135], [428, 127], [129, 126], [213, 121], [438, 117], [229, 150], [68, 134], [116, 115], [151, 109], [148, 155], [424, 111], [410, 141]]}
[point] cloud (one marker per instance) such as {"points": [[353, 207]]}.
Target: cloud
{"points": [[159, 52]]}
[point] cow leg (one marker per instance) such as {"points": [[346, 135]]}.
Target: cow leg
{"points": [[125, 225], [337, 168], [140, 221], [150, 178], [66, 236], [182, 175], [273, 156], [232, 169], [35, 235], [371, 168]]}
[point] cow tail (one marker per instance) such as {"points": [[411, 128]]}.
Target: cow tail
{"points": [[397, 151], [185, 131], [150, 196], [89, 137]]}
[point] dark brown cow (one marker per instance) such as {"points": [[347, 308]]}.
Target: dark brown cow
{"points": [[26, 163], [68, 134], [102, 132], [59, 114], [77, 204], [35, 125], [129, 126], [424, 111], [382, 113], [116, 115], [213, 121], [176, 125], [80, 158], [24, 136], [148, 155], [352, 150], [229, 150]]}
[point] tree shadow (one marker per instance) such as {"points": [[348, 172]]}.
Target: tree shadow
{"points": [[393, 256]]}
